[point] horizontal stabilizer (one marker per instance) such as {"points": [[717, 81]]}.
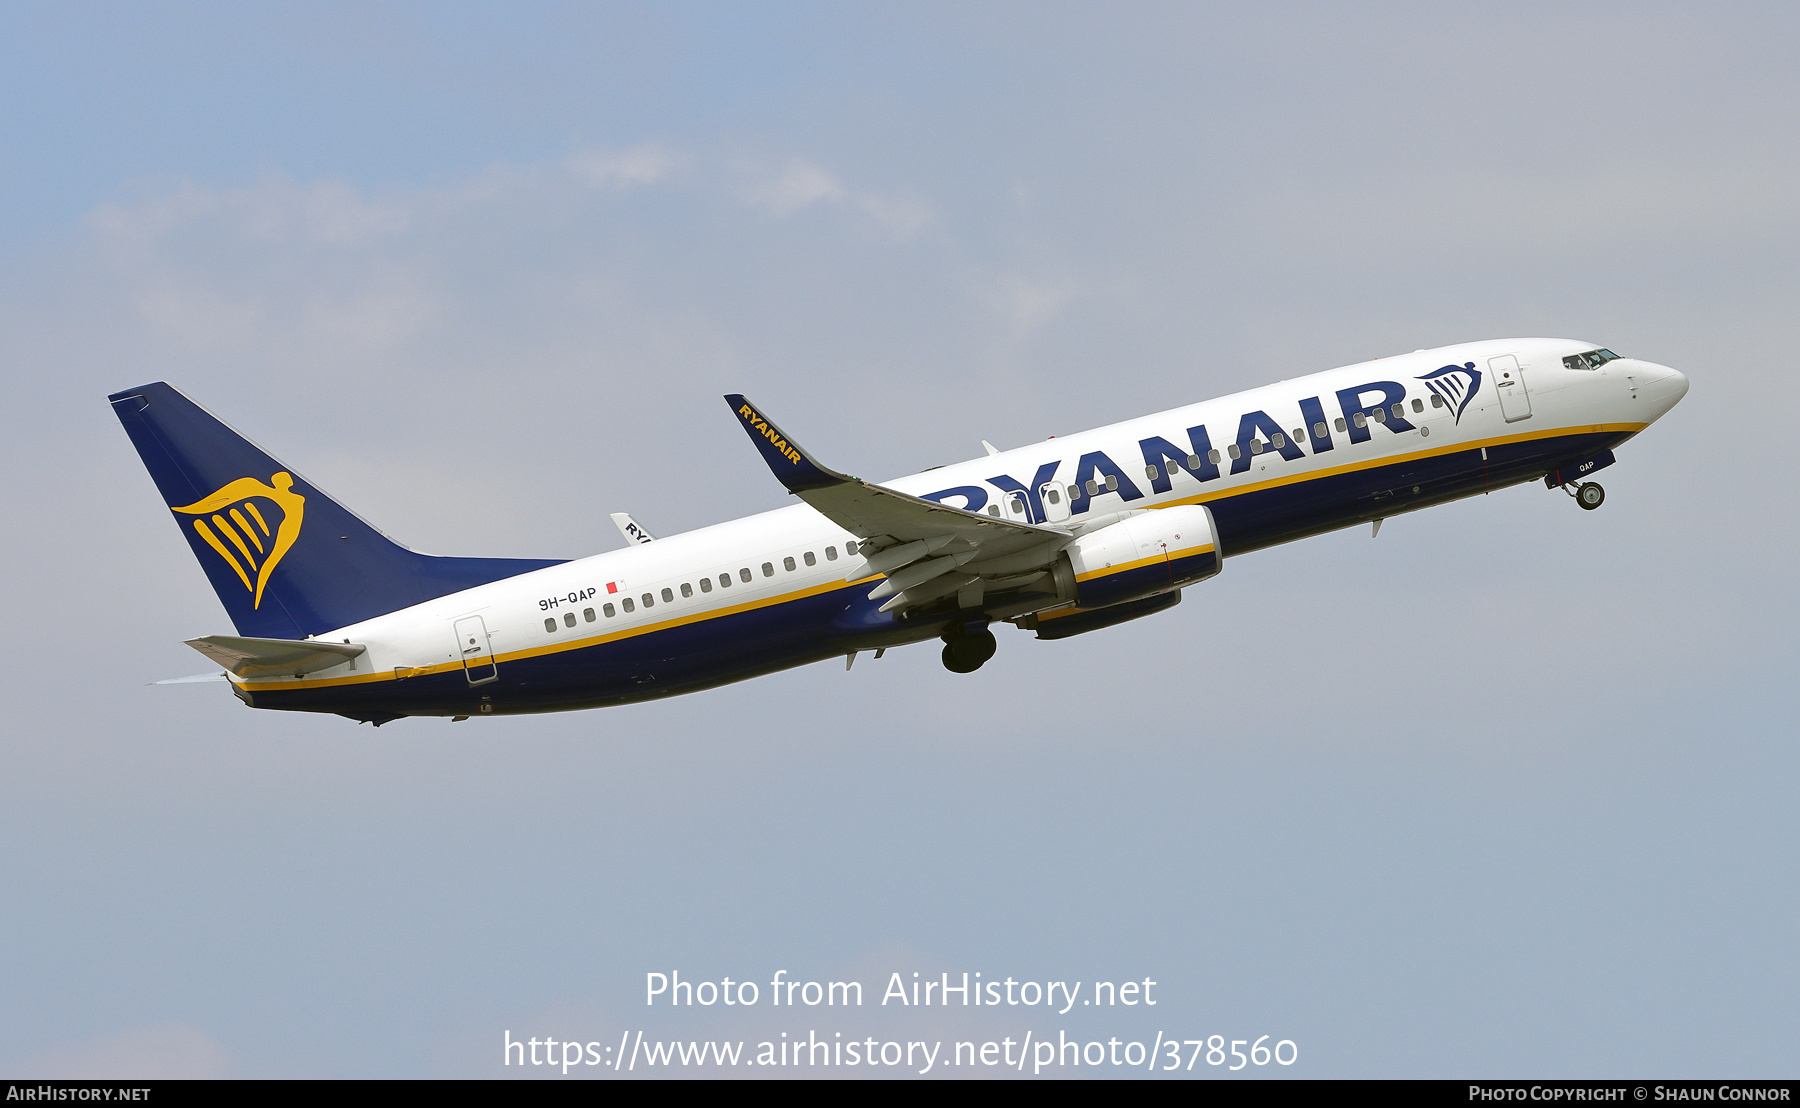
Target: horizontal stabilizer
{"points": [[198, 678], [269, 657]]}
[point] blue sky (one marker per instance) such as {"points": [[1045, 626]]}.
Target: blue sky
{"points": [[1507, 791]]}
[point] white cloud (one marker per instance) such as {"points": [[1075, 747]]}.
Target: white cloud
{"points": [[903, 216], [1028, 301], [165, 1051], [275, 210], [802, 184], [643, 164]]}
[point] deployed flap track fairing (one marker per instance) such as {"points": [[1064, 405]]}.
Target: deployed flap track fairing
{"points": [[929, 552]]}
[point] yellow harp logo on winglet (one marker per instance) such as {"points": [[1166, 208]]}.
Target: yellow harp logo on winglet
{"points": [[236, 522]]}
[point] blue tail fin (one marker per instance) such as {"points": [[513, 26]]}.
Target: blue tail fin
{"points": [[286, 560]]}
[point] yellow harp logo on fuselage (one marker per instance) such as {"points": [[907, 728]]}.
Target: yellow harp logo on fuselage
{"points": [[234, 523]]}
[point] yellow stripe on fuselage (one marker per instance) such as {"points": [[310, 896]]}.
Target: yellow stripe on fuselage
{"points": [[564, 645], [1397, 459], [696, 617]]}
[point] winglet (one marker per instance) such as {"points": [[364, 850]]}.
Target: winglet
{"points": [[632, 530], [792, 466]]}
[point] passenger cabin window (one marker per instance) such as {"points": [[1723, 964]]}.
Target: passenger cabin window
{"points": [[1256, 446], [1213, 456], [1235, 451], [628, 605], [587, 614], [724, 580], [568, 619], [787, 563], [1052, 495], [1418, 405], [1340, 424], [1153, 472], [1359, 419], [705, 584], [649, 600], [1112, 483], [686, 589], [768, 569], [549, 625], [668, 596], [1279, 441], [831, 553], [1399, 410], [993, 510], [1016, 504], [744, 575], [810, 560], [1436, 400], [1319, 431], [1093, 487], [608, 611]]}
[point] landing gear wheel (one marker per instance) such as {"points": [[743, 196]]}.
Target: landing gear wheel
{"points": [[1590, 496], [956, 663], [965, 652]]}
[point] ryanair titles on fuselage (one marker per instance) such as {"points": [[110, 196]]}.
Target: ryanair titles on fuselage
{"points": [[1257, 432]]}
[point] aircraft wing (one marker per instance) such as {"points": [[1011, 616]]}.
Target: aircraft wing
{"points": [[268, 657], [938, 545]]}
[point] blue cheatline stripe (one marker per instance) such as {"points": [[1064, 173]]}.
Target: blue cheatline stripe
{"points": [[706, 651]]}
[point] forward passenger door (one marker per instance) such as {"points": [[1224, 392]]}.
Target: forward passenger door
{"points": [[1509, 383]]}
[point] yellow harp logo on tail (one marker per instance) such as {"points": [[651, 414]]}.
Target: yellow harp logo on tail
{"points": [[251, 525]]}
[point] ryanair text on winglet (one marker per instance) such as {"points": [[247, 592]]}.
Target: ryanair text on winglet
{"points": [[768, 432]]}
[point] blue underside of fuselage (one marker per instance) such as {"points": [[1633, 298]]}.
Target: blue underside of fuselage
{"points": [[717, 651]]}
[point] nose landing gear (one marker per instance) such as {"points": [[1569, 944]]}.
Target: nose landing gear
{"points": [[1589, 494], [965, 649]]}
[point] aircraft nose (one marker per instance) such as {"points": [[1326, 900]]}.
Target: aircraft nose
{"points": [[1663, 387]]}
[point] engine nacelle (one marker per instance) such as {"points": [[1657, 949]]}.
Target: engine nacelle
{"points": [[1146, 554], [1067, 622]]}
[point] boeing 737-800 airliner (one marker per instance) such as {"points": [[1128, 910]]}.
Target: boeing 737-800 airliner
{"points": [[1060, 537]]}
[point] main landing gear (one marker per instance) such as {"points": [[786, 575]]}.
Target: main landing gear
{"points": [[966, 647], [1589, 495]]}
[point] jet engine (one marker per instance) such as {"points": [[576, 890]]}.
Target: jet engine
{"points": [[1155, 552]]}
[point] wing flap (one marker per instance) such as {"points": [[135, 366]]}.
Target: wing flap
{"points": [[903, 529]]}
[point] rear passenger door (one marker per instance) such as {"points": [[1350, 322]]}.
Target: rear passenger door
{"points": [[477, 655]]}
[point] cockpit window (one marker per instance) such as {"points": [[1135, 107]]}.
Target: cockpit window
{"points": [[1592, 359]]}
